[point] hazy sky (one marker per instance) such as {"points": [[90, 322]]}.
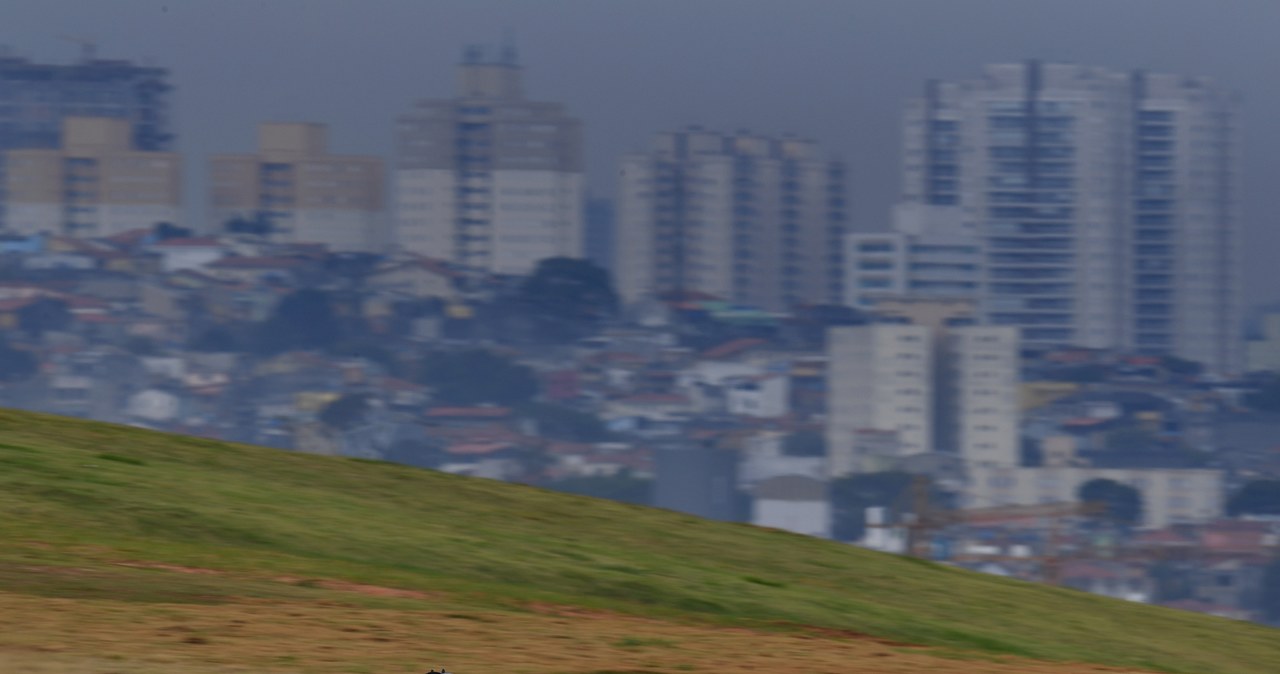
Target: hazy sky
{"points": [[836, 71]]}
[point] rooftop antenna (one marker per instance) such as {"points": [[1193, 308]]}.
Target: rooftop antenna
{"points": [[472, 54], [88, 46]]}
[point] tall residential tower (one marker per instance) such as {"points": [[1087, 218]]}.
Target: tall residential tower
{"points": [[489, 179], [1104, 200], [746, 218], [300, 192], [94, 182]]}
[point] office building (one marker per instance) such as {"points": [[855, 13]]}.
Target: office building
{"points": [[750, 219], [299, 192], [1104, 200], [930, 253], [922, 379], [489, 179], [95, 183]]}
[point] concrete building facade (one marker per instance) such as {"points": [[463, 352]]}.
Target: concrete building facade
{"points": [[932, 383], [301, 192], [930, 253], [489, 179], [879, 379], [1105, 203], [1169, 496], [95, 183], [747, 218]]}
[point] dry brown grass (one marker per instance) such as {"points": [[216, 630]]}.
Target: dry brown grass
{"points": [[60, 636]]}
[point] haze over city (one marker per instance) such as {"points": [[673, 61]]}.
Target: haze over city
{"points": [[606, 336], [834, 71]]}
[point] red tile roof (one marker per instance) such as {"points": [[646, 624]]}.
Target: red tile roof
{"points": [[264, 262], [192, 242], [469, 412], [657, 399], [734, 347], [478, 448]]}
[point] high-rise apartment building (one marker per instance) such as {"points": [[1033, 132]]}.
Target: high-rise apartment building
{"points": [[879, 383], [300, 192], [489, 179], [922, 379], [96, 182], [35, 98], [1104, 200], [931, 253], [747, 218]]}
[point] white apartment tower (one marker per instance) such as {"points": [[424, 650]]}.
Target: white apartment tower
{"points": [[489, 180], [934, 384], [1104, 201], [746, 218], [879, 383], [931, 253]]}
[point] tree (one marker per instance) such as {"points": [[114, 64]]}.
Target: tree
{"points": [[1267, 396], [44, 315], [1123, 503], [1270, 600], [568, 297], [1259, 497], [564, 423], [1182, 366], [476, 376], [345, 412], [421, 453], [258, 225], [1130, 440], [216, 339], [167, 230], [805, 443], [304, 319], [140, 345], [16, 364], [852, 495]]}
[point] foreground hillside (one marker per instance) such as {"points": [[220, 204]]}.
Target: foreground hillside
{"points": [[130, 551]]}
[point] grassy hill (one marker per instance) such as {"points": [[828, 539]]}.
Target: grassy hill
{"points": [[125, 547]]}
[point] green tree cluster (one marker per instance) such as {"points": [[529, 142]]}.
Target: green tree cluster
{"points": [[1123, 504], [476, 376]]}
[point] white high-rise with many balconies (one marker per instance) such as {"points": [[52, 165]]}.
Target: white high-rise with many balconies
{"points": [[1104, 201], [747, 218], [489, 180]]}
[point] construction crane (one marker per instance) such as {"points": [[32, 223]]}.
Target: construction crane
{"points": [[924, 518]]}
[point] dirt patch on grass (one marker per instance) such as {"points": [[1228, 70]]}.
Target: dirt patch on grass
{"points": [[63, 636], [175, 568], [359, 588]]}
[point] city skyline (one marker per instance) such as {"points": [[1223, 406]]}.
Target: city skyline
{"points": [[624, 98]]}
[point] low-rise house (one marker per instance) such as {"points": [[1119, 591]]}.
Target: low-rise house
{"points": [[1119, 580], [271, 269], [417, 277], [795, 503], [188, 253], [154, 406], [766, 396]]}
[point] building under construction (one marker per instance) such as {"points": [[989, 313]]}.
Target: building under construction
{"points": [[36, 97]]}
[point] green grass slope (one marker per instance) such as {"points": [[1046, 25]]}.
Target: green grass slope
{"points": [[85, 496]]}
